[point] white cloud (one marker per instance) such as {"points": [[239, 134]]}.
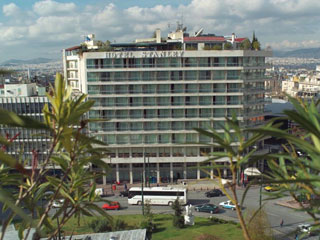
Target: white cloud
{"points": [[10, 9], [289, 45], [49, 7], [279, 23]]}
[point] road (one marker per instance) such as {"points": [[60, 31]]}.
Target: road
{"points": [[274, 212]]}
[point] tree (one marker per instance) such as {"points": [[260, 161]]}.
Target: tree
{"points": [[227, 46], [245, 45], [297, 169], [238, 149], [178, 219], [71, 150], [256, 45], [217, 47]]}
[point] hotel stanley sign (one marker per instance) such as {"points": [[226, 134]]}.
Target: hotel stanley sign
{"points": [[145, 54]]}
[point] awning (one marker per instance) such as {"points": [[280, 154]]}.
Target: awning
{"points": [[252, 171]]}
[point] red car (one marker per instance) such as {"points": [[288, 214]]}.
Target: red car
{"points": [[111, 206]]}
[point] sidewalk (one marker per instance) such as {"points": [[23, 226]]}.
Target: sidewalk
{"points": [[290, 204]]}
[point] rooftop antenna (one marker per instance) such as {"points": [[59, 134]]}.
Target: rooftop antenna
{"points": [[199, 32]]}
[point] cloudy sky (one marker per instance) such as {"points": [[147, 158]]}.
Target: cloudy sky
{"points": [[41, 28]]}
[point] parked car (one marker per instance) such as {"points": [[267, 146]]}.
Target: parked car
{"points": [[124, 193], [214, 193], [271, 188], [304, 228], [210, 208], [111, 206], [58, 203], [228, 205]]}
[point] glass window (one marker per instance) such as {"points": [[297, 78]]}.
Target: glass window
{"points": [[218, 75], [191, 113], [191, 137], [192, 151], [191, 125], [205, 87], [150, 113], [204, 75], [205, 112], [177, 152], [190, 62], [136, 101], [149, 89], [177, 125], [147, 76], [204, 62], [162, 76], [190, 75], [136, 126], [150, 139], [122, 114], [150, 126], [136, 138], [121, 101], [175, 62], [177, 88], [191, 88], [164, 138], [191, 100], [177, 101], [134, 76], [164, 88], [162, 62], [149, 101], [177, 113], [110, 139], [164, 113], [163, 125], [136, 113], [176, 75], [164, 101], [205, 100]]}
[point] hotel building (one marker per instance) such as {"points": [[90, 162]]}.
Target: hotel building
{"points": [[155, 91]]}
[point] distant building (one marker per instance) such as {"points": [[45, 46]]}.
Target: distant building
{"points": [[155, 91], [23, 99], [305, 86]]}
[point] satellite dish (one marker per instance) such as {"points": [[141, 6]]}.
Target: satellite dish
{"points": [[198, 33]]}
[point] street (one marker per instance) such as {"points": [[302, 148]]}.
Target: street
{"points": [[291, 218]]}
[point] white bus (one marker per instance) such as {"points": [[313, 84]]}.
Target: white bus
{"points": [[157, 195]]}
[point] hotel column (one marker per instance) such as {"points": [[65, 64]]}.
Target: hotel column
{"points": [[117, 173], [130, 173], [158, 172], [225, 170], [211, 171], [198, 171], [185, 170], [104, 178], [171, 172]]}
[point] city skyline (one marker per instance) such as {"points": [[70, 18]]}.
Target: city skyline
{"points": [[34, 28]]}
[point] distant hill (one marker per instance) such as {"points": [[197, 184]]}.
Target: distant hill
{"points": [[301, 53], [13, 62]]}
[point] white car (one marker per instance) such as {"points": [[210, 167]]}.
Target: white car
{"points": [[304, 228], [228, 204], [58, 203]]}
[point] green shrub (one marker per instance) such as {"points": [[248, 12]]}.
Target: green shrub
{"points": [[178, 219], [100, 225], [227, 46], [119, 225]]}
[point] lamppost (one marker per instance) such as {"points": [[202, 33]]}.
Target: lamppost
{"points": [[142, 198]]}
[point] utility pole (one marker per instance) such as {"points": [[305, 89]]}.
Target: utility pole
{"points": [[148, 178], [142, 199]]}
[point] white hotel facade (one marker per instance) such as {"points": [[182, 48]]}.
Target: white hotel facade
{"points": [[154, 92]]}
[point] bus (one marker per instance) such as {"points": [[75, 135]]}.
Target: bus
{"points": [[157, 195]]}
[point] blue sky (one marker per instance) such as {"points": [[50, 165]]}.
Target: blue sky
{"points": [[42, 28]]}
